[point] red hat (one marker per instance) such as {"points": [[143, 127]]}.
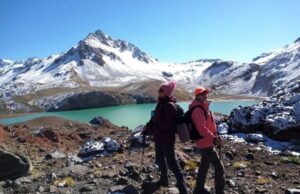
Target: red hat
{"points": [[201, 90], [168, 87]]}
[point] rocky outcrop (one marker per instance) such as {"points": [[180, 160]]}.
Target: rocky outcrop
{"points": [[278, 117], [92, 99], [15, 107], [140, 99], [101, 122], [218, 67], [74, 101], [167, 74], [93, 148], [13, 166]]}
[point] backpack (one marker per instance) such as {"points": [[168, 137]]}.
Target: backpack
{"points": [[187, 129], [179, 116]]}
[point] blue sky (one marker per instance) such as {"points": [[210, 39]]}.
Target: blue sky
{"points": [[175, 31]]}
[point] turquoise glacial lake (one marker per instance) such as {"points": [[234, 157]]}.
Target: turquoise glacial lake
{"points": [[126, 115]]}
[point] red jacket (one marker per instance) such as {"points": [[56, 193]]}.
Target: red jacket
{"points": [[206, 127], [163, 121]]}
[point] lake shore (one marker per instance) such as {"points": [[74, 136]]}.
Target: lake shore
{"points": [[12, 115], [224, 97], [214, 98]]}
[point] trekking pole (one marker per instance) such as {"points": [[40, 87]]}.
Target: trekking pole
{"points": [[219, 146], [220, 150], [143, 152]]}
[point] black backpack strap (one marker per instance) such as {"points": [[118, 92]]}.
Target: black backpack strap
{"points": [[211, 116], [199, 106]]}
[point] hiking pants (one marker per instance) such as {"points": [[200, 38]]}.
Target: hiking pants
{"points": [[210, 156], [165, 155]]}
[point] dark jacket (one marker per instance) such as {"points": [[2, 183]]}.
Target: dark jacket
{"points": [[163, 121]]}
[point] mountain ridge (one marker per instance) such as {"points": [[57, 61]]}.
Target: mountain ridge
{"points": [[100, 61]]}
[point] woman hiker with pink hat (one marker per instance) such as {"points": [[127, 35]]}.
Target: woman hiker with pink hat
{"points": [[161, 127]]}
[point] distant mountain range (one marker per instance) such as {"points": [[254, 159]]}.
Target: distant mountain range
{"points": [[101, 63]]}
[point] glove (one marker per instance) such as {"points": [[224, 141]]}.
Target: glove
{"points": [[145, 130]]}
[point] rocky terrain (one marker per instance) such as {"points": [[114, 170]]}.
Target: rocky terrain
{"points": [[278, 116], [113, 165]]}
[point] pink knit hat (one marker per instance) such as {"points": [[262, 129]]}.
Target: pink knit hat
{"points": [[168, 87]]}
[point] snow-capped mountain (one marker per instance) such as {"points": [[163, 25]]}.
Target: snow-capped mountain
{"points": [[279, 68], [98, 61], [101, 63], [229, 77]]}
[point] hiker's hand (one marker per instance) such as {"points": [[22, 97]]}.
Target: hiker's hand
{"points": [[218, 141], [145, 130]]}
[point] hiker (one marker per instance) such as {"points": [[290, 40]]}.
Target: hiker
{"points": [[203, 120], [161, 127]]}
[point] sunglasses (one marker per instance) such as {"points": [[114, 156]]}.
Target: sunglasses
{"points": [[160, 91]]}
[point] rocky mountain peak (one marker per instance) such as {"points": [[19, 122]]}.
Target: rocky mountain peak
{"points": [[298, 40], [100, 36], [31, 61], [4, 62], [91, 45]]}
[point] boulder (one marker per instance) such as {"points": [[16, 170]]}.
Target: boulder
{"points": [[230, 183], [111, 145], [292, 191], [229, 155], [13, 166], [277, 117], [125, 189], [254, 138], [86, 188], [249, 157], [106, 146], [223, 128], [50, 134], [100, 121], [136, 138], [58, 155], [91, 147]]}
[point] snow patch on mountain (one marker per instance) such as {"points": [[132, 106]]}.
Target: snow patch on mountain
{"points": [[279, 68]]}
